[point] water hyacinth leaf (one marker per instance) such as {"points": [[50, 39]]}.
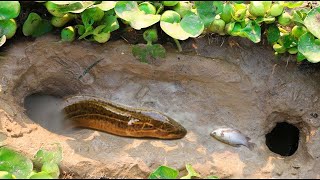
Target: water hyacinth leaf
{"points": [[6, 175], [293, 4], [312, 22], [75, 7], [298, 17], [273, 33], [237, 30], [147, 52], [98, 29], [43, 27], [125, 9], [41, 175], [212, 177], [252, 31], [106, 5], [142, 20], [64, 2], [31, 24], [289, 41], [309, 48], [206, 11], [174, 30], [218, 5], [51, 154], [9, 9], [111, 23], [15, 163], [140, 53], [192, 24], [129, 11], [164, 172], [2, 40], [51, 168], [300, 57], [157, 51], [8, 27], [191, 173]]}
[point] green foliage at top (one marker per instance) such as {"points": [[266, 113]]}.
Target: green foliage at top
{"points": [[165, 172], [44, 166], [96, 20], [9, 9]]}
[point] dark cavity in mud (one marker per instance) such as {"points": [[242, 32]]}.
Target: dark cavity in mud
{"points": [[283, 139], [45, 110]]}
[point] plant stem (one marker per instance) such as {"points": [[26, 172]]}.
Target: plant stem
{"points": [[178, 44]]}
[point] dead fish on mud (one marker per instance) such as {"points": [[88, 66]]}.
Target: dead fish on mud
{"points": [[232, 137]]}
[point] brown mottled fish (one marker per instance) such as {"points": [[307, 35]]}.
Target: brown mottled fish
{"points": [[98, 114]]}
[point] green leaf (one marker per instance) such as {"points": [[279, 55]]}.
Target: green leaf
{"points": [[298, 17], [31, 24], [77, 7], [300, 57], [164, 172], [252, 31], [212, 177], [64, 2], [157, 51], [293, 4], [309, 48], [98, 29], [174, 30], [8, 27], [106, 5], [43, 27], [273, 33], [218, 6], [192, 24], [145, 52], [41, 175], [51, 168], [52, 155], [2, 40], [15, 163], [125, 9], [9, 9], [191, 173], [206, 10], [289, 41], [312, 22], [129, 11], [6, 175], [111, 23]]}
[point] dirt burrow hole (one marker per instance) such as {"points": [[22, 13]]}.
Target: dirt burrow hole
{"points": [[286, 135]]}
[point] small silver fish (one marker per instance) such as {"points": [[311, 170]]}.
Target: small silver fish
{"points": [[232, 137]]}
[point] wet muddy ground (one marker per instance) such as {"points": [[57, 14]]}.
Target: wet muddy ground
{"points": [[215, 82]]}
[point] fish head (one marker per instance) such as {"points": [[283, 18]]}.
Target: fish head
{"points": [[162, 126], [214, 133]]}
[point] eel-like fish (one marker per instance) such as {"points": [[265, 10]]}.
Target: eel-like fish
{"points": [[95, 113]]}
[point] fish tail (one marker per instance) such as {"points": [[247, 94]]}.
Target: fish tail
{"points": [[251, 146]]}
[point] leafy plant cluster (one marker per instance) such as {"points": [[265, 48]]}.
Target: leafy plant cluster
{"points": [[45, 164], [165, 172], [289, 27]]}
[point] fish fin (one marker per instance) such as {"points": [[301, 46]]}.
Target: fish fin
{"points": [[251, 146]]}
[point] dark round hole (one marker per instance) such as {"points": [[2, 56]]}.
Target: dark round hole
{"points": [[283, 139], [43, 109]]}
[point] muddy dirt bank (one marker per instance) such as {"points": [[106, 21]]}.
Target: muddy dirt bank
{"points": [[214, 83]]}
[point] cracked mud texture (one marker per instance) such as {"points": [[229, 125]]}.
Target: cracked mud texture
{"points": [[214, 83]]}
